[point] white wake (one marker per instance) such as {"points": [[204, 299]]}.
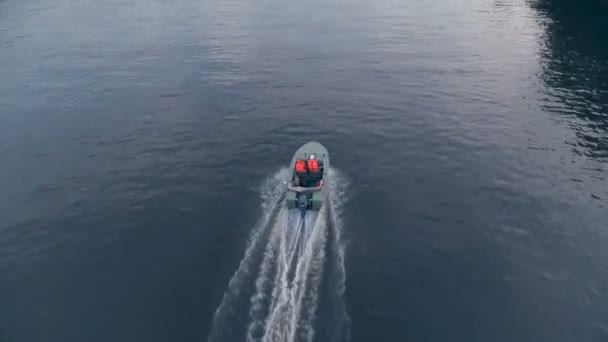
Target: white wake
{"points": [[288, 252]]}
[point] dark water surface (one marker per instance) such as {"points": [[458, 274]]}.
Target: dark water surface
{"points": [[134, 136]]}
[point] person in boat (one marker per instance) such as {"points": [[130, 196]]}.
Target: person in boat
{"points": [[301, 173], [315, 170], [308, 173]]}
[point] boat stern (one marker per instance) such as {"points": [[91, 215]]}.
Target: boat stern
{"points": [[312, 200]]}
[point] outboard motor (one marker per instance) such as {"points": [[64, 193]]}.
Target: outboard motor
{"points": [[303, 201]]}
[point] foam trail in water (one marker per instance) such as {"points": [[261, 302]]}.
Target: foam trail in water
{"points": [[271, 192], [290, 268], [285, 309], [268, 285], [338, 197], [309, 272], [294, 300], [263, 285]]}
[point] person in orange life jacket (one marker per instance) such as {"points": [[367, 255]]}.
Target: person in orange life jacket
{"points": [[301, 171], [300, 166], [312, 164], [308, 173], [315, 170]]}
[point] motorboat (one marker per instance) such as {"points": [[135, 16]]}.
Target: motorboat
{"points": [[308, 190]]}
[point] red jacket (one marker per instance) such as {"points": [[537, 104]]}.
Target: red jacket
{"points": [[300, 166], [313, 165]]}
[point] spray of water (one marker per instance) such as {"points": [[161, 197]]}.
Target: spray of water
{"points": [[271, 193], [292, 264]]}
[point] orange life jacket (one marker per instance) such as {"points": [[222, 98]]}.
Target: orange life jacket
{"points": [[313, 165], [300, 166]]}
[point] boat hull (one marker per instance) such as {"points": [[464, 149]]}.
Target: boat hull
{"points": [[311, 198]]}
